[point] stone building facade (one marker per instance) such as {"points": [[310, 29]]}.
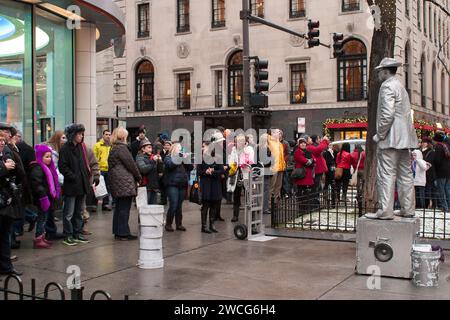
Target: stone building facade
{"points": [[182, 62]]}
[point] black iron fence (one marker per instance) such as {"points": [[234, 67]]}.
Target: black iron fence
{"points": [[18, 293], [334, 211]]}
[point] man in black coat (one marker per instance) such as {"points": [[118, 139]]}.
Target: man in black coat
{"points": [[136, 144], [74, 166], [431, 183], [442, 166]]}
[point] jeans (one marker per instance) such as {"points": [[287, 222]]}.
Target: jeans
{"points": [[151, 196], [176, 197], [444, 193], [41, 221], [28, 216], [121, 216], [72, 215], [420, 197], [286, 184], [5, 243]]}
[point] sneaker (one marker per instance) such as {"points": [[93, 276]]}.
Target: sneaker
{"points": [[69, 241], [80, 239]]}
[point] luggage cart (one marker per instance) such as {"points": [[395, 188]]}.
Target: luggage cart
{"points": [[253, 208]]}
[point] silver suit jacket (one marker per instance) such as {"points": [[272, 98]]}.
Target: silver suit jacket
{"points": [[395, 127]]}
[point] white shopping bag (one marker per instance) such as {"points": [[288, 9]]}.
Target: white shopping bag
{"points": [[100, 190], [141, 198]]}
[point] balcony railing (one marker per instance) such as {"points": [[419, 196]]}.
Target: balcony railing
{"points": [[348, 7], [353, 94], [297, 14], [218, 101], [142, 106], [184, 103], [297, 98], [218, 24], [143, 34], [424, 102]]}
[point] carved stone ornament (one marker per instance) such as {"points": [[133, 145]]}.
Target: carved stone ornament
{"points": [[183, 50], [296, 41]]}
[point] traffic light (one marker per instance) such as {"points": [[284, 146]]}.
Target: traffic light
{"points": [[260, 75], [338, 45], [313, 33]]}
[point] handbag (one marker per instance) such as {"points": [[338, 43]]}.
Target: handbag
{"points": [[298, 173], [100, 191], [195, 193], [354, 180]]}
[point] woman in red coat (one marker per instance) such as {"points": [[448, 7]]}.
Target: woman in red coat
{"points": [[304, 159], [344, 161]]}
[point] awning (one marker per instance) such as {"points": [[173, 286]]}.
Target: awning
{"points": [[347, 125]]}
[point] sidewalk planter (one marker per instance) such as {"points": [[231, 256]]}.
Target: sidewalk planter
{"points": [[150, 242], [425, 268]]}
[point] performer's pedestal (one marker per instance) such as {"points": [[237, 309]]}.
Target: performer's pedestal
{"points": [[386, 244]]}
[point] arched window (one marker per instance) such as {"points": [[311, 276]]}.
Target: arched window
{"points": [[433, 85], [422, 79], [408, 69], [145, 74], [443, 92], [235, 84], [352, 72]]}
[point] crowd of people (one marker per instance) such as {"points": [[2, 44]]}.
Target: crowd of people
{"points": [[63, 172]]}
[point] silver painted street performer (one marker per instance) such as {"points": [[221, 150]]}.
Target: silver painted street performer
{"points": [[395, 137]]}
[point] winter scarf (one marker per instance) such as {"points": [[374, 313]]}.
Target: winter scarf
{"points": [[49, 171]]}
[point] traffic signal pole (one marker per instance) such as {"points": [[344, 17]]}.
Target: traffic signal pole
{"points": [[246, 66]]}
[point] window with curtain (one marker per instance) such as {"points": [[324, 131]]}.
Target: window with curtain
{"points": [[218, 13], [219, 89], [419, 14], [422, 78], [350, 5], [298, 83], [443, 92], [184, 91], [424, 9], [433, 85], [297, 8], [145, 74], [257, 8], [407, 69], [143, 20], [235, 84], [352, 72], [183, 16]]}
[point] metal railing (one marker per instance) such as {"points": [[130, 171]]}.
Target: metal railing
{"points": [[330, 210], [297, 14], [75, 294], [218, 101], [347, 7], [184, 103]]}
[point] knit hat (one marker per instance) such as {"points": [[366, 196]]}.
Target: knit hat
{"points": [[302, 139], [427, 139], [438, 137], [144, 143], [305, 136]]}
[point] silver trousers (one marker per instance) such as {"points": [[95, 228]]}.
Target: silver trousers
{"points": [[395, 166]]}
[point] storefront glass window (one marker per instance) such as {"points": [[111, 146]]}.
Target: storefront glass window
{"points": [[54, 76], [15, 66]]}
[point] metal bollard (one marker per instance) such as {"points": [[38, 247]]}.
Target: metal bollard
{"points": [[76, 294]]}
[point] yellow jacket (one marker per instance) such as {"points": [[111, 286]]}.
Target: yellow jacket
{"points": [[101, 152], [277, 150]]}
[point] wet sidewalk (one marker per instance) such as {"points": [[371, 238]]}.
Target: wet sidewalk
{"points": [[212, 266]]}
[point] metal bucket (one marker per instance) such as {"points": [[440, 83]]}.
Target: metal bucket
{"points": [[425, 268]]}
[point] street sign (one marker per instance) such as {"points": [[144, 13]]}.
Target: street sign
{"points": [[301, 125]]}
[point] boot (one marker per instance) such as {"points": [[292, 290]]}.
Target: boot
{"points": [[39, 243], [45, 239], [178, 222], [217, 213], [204, 212], [212, 228], [169, 221]]}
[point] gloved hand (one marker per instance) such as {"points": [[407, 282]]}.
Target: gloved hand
{"points": [[44, 203], [96, 181]]}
